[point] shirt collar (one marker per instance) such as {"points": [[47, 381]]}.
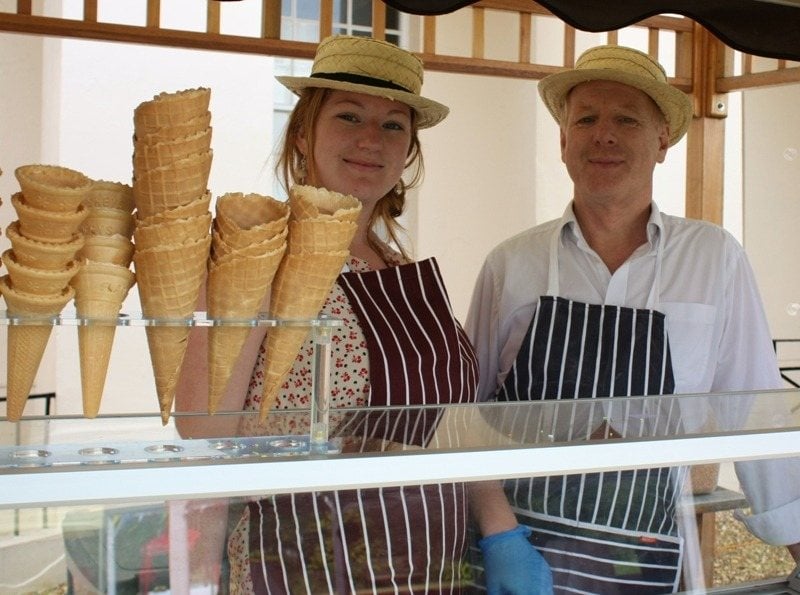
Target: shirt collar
{"points": [[568, 227]]}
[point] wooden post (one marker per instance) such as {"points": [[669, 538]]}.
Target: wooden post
{"points": [[705, 146]]}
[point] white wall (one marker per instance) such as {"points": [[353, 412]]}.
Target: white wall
{"points": [[772, 200]]}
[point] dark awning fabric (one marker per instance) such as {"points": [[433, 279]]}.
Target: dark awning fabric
{"points": [[760, 27]]}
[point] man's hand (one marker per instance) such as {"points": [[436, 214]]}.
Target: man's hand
{"points": [[513, 566]]}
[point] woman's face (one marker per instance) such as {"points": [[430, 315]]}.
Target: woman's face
{"points": [[361, 143]]}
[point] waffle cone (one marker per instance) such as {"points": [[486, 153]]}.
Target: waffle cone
{"points": [[187, 127], [100, 289], [26, 343], [221, 251], [113, 249], [171, 109], [107, 221], [170, 231], [251, 278], [162, 188], [169, 280], [320, 235], [148, 156], [308, 202], [250, 218], [43, 255], [110, 195], [299, 289], [47, 226], [38, 281], [52, 187], [198, 206]]}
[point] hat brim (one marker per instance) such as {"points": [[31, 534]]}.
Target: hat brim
{"points": [[429, 112], [673, 103]]}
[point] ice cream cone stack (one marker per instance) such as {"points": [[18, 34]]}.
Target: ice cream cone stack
{"points": [[171, 164], [245, 257], [109, 224], [100, 288], [44, 257], [305, 276], [27, 342]]}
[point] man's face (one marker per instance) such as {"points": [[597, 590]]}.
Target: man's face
{"points": [[612, 136]]}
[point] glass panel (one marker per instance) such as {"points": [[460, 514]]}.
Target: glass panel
{"points": [[362, 13]]}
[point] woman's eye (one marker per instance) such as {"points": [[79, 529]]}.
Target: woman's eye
{"points": [[348, 117], [394, 126]]}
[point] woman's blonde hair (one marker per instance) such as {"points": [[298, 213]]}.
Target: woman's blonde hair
{"points": [[292, 166]]}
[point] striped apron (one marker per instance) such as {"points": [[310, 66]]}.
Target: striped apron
{"points": [[380, 540], [610, 532]]}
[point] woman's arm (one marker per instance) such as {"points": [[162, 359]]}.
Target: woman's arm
{"points": [[191, 394]]}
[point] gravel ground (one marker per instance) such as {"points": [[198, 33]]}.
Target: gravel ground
{"points": [[740, 557]]}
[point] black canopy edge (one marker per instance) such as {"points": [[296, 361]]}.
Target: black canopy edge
{"points": [[757, 27]]}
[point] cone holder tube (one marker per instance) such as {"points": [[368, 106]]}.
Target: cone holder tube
{"points": [[317, 442]]}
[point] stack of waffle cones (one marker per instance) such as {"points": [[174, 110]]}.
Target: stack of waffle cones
{"points": [[45, 241], [103, 282], [248, 241], [171, 164], [321, 226]]}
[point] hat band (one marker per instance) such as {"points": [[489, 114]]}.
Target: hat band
{"points": [[359, 79]]}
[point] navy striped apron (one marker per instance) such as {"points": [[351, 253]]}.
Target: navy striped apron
{"points": [[380, 540], [612, 532]]}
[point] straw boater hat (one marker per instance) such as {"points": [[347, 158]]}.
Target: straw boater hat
{"points": [[366, 65], [623, 65]]}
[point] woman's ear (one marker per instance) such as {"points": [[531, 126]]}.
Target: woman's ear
{"points": [[300, 141]]}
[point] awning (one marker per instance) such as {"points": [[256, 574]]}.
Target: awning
{"points": [[760, 27]]}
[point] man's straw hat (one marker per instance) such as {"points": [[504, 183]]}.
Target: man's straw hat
{"points": [[366, 65], [627, 66]]}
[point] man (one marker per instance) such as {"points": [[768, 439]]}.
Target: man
{"points": [[617, 299]]}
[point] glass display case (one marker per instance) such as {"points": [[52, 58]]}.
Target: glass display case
{"points": [[130, 494]]}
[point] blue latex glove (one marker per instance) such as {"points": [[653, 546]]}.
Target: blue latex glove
{"points": [[513, 566]]}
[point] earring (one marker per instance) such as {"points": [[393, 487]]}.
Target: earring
{"points": [[302, 169], [399, 187]]}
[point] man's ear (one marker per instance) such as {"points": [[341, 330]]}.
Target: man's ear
{"points": [[663, 143], [563, 142]]}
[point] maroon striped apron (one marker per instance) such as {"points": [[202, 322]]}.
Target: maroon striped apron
{"points": [[380, 540]]}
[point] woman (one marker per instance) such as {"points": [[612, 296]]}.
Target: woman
{"points": [[354, 131]]}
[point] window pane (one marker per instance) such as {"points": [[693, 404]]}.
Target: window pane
{"points": [[362, 12], [392, 18]]}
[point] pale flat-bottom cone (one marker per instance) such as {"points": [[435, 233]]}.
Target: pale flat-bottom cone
{"points": [[299, 289], [26, 343], [169, 280], [52, 187], [250, 279], [116, 249], [100, 289], [111, 195]]}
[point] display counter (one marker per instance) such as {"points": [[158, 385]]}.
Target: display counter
{"points": [[120, 477]]}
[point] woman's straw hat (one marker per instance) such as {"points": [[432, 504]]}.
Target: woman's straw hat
{"points": [[622, 65], [371, 66]]}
